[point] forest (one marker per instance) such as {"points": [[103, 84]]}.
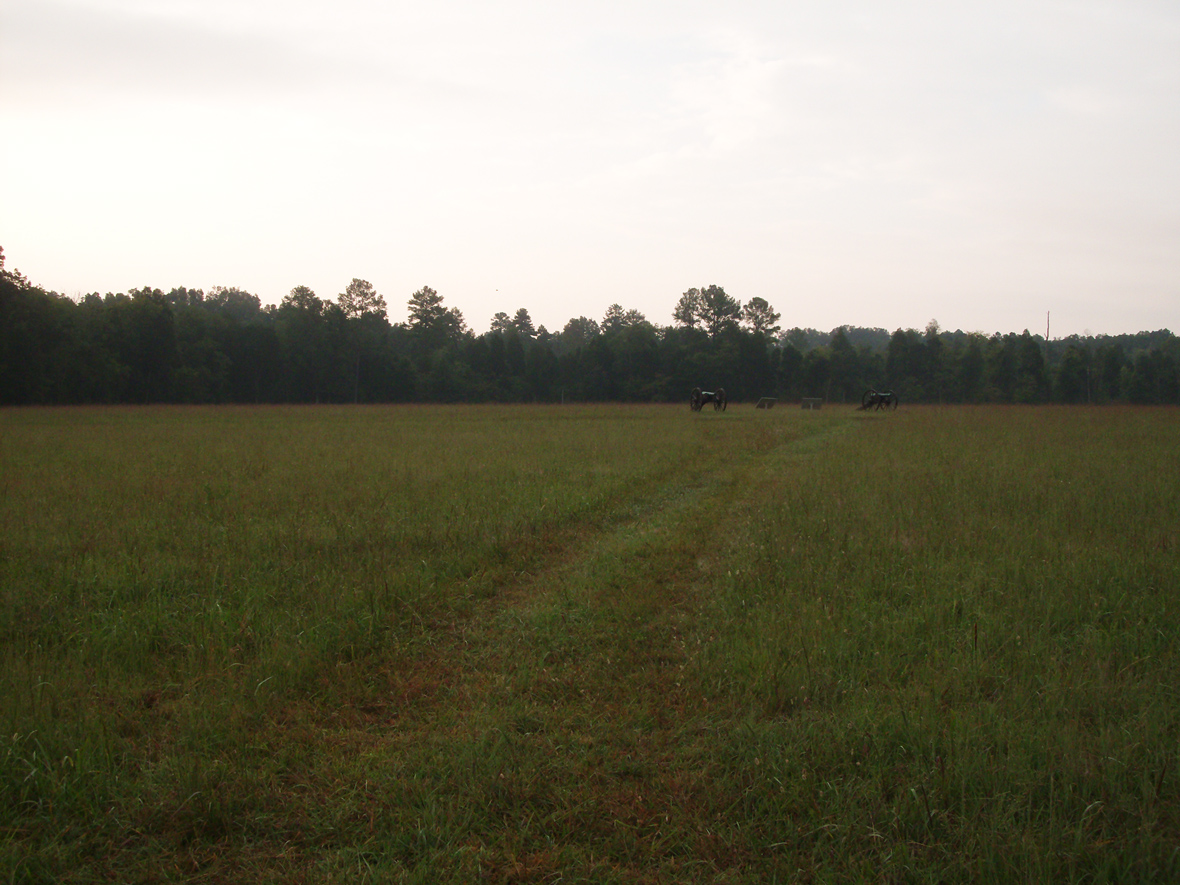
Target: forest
{"points": [[225, 346]]}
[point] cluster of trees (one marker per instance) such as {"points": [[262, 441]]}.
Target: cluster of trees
{"points": [[225, 346]]}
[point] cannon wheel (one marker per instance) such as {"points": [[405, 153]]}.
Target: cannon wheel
{"points": [[867, 399], [695, 401], [720, 402]]}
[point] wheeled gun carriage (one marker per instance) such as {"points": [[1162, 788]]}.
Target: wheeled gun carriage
{"points": [[700, 398], [878, 399]]}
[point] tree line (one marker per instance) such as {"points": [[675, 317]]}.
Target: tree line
{"points": [[225, 346]]}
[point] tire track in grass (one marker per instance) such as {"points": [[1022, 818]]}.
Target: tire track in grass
{"points": [[559, 738]]}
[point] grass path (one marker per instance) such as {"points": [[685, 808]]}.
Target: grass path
{"points": [[546, 729], [551, 732]]}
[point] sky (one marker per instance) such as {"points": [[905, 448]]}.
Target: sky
{"points": [[986, 165]]}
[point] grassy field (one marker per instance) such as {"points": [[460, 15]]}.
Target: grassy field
{"points": [[589, 644]]}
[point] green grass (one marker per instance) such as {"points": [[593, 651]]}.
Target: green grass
{"points": [[606, 644]]}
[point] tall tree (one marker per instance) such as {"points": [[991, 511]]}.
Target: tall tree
{"points": [[367, 321], [969, 370], [1000, 367], [633, 317], [761, 317], [1073, 375], [1110, 359], [149, 343], [303, 298], [1032, 383], [432, 325], [612, 320], [616, 319], [235, 304], [360, 299], [15, 277], [578, 332], [38, 348], [718, 310], [939, 377], [687, 312], [302, 329], [845, 378], [524, 323]]}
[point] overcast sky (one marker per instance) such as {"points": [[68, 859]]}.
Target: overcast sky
{"points": [[871, 163]]}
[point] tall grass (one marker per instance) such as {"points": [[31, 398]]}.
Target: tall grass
{"points": [[954, 638], [140, 539], [597, 643]]}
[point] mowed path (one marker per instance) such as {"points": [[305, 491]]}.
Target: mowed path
{"points": [[554, 730]]}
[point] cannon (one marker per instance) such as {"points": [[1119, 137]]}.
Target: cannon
{"points": [[877, 400], [700, 398]]}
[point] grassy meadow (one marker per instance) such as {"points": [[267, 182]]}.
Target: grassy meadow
{"points": [[589, 644]]}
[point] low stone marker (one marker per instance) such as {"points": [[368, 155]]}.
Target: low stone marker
{"points": [[812, 402], [767, 402]]}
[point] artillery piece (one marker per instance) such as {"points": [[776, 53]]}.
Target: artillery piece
{"points": [[877, 400], [700, 398]]}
